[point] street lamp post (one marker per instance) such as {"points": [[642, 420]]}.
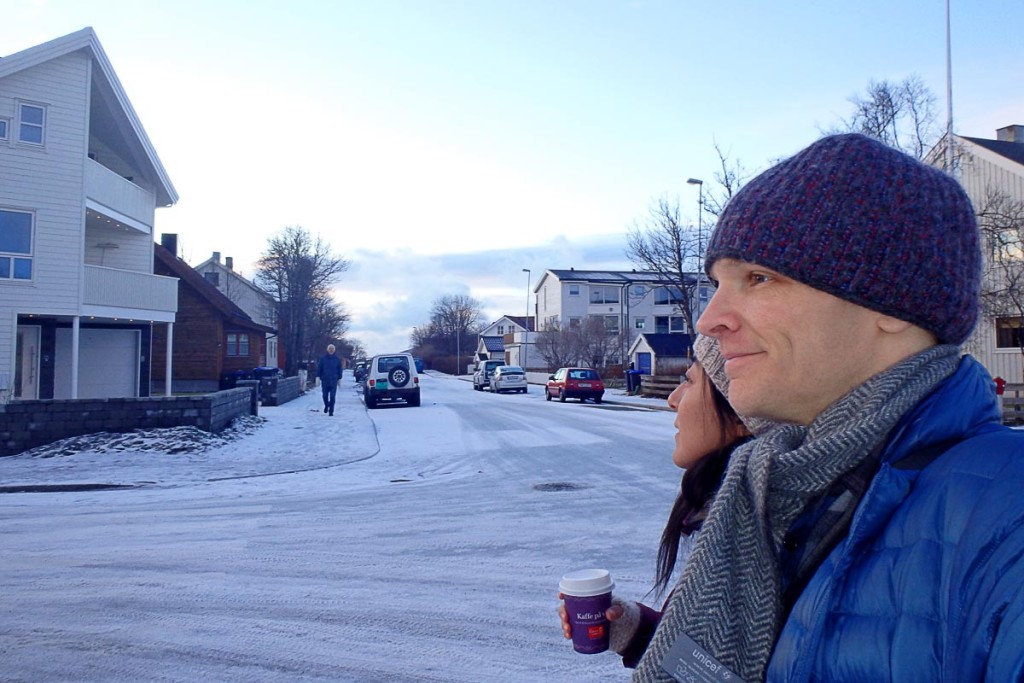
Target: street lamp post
{"points": [[700, 219], [526, 321], [700, 235]]}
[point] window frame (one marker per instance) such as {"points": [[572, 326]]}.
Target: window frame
{"points": [[235, 343], [22, 124], [574, 290], [5, 129], [13, 256], [1008, 330], [600, 295]]}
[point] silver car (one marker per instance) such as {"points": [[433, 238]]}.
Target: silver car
{"points": [[508, 378]]}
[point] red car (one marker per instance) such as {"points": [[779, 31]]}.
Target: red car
{"points": [[581, 383]]}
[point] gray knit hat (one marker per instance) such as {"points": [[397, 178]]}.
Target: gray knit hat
{"points": [[710, 358], [866, 223]]}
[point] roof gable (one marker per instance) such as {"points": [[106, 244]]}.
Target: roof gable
{"points": [[1014, 151], [204, 289], [107, 92], [670, 345]]}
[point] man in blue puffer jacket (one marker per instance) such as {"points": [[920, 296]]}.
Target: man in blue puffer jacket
{"points": [[877, 535]]}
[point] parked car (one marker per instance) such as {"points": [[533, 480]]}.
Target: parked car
{"points": [[484, 370], [508, 378], [581, 383], [391, 377], [359, 370]]}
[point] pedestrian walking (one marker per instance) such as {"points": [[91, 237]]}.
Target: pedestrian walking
{"points": [[329, 371]]}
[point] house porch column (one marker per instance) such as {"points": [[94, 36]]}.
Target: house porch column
{"points": [[74, 355], [167, 361]]}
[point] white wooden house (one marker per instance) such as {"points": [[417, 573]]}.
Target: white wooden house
{"points": [[248, 296], [985, 168], [629, 303], [79, 186]]}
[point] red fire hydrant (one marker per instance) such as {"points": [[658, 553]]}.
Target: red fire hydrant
{"points": [[1000, 385]]}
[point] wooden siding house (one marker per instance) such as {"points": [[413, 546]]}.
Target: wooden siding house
{"points": [[987, 168], [256, 302], [213, 336], [80, 182]]}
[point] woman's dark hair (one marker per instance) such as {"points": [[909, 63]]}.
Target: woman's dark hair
{"points": [[699, 485]]}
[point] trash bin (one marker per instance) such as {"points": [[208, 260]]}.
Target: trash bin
{"points": [[632, 381], [267, 377], [230, 379]]}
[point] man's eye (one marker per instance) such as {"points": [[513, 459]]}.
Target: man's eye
{"points": [[760, 278]]}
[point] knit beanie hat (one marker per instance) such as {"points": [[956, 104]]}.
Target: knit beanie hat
{"points": [[864, 222], [710, 358]]}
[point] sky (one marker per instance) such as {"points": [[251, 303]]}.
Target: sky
{"points": [[400, 544], [442, 146]]}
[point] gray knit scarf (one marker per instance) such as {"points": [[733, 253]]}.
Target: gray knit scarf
{"points": [[729, 599]]}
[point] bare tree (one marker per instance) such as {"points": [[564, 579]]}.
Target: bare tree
{"points": [[1001, 220], [597, 343], [729, 177], [557, 346], [298, 271], [455, 320], [663, 245], [589, 344], [901, 114]]}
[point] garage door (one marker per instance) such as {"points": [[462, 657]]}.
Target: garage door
{"points": [[108, 363]]}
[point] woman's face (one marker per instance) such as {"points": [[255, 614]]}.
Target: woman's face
{"points": [[698, 430]]}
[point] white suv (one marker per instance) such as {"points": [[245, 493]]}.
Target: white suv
{"points": [[391, 377]]}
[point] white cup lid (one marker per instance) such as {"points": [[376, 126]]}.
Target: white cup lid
{"points": [[586, 582]]}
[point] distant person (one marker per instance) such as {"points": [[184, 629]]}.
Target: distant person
{"points": [[707, 432], [329, 371], [879, 536]]}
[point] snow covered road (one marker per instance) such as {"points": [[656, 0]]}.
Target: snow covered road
{"points": [[409, 544]]}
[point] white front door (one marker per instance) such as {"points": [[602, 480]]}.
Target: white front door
{"points": [[26, 378]]}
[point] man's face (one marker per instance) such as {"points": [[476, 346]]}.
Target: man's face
{"points": [[790, 350]]}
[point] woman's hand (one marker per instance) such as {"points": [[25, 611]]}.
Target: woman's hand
{"points": [[613, 613]]}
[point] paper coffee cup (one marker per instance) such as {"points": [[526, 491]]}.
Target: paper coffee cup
{"points": [[588, 594]]}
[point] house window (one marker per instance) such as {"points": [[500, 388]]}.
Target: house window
{"points": [[15, 245], [638, 323], [604, 295], [574, 290], [4, 135], [574, 323], [1008, 333], [611, 324], [667, 295], [31, 120], [664, 324], [501, 329], [213, 278], [639, 290], [238, 345]]}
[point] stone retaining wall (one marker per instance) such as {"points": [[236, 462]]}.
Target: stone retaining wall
{"points": [[27, 424]]}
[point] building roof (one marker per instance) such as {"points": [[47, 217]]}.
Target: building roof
{"points": [[1014, 151], [194, 279], [493, 344], [107, 92], [522, 321], [621, 277], [669, 344]]}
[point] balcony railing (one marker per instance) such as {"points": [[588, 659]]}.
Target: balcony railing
{"points": [[110, 190], [130, 290]]}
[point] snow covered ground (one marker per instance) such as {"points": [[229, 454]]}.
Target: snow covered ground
{"points": [[400, 544]]}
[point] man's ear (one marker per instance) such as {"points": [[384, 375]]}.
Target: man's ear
{"points": [[918, 337], [892, 325]]}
